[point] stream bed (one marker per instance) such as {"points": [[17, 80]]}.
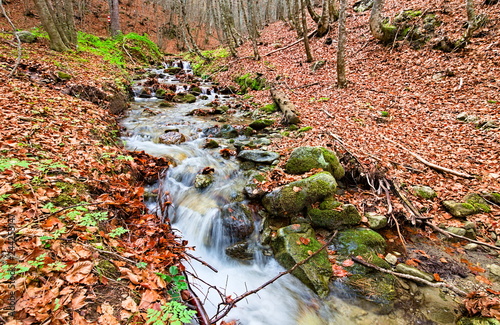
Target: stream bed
{"points": [[198, 214]]}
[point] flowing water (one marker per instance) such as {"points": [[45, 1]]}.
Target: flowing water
{"points": [[196, 214]]}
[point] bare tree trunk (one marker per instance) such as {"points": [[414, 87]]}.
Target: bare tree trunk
{"points": [[312, 12], [341, 78], [114, 14], [376, 19], [57, 20], [332, 11], [187, 30], [304, 31], [324, 22], [252, 29]]}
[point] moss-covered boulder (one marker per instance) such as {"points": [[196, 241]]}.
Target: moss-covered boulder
{"points": [[332, 215], [228, 132], [26, 37], [293, 244], [371, 285], [304, 159], [184, 98], [493, 197], [250, 81], [261, 124], [477, 202], [424, 192], [63, 76], [297, 196]]}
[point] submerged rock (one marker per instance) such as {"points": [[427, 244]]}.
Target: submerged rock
{"points": [[297, 196], [259, 156], [240, 251], [304, 159], [203, 180], [292, 245]]}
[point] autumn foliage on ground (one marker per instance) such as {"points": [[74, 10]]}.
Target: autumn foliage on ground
{"points": [[397, 95], [80, 244]]}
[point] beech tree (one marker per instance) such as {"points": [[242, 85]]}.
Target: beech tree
{"points": [[341, 78], [114, 15], [57, 17]]}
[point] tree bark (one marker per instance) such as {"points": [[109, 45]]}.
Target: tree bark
{"points": [[341, 78], [114, 14], [304, 32], [57, 20], [376, 19], [287, 107]]}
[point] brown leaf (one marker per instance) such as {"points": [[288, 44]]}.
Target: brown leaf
{"points": [[79, 271]]}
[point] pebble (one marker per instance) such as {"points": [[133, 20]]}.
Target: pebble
{"points": [[391, 259], [471, 247]]}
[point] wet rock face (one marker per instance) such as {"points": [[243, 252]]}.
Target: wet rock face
{"points": [[304, 159], [292, 245], [240, 251], [172, 137], [297, 196], [237, 220]]}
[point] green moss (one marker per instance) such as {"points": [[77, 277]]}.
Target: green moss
{"points": [[333, 219], [305, 129], [303, 159], [478, 321], [261, 124], [250, 81], [269, 108], [69, 194], [477, 202]]}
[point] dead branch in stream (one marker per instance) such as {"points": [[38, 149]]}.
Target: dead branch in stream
{"points": [[232, 303], [411, 277], [427, 163]]}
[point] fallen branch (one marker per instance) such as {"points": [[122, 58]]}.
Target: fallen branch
{"points": [[287, 107], [450, 234], [232, 303], [415, 214], [193, 299], [411, 277], [328, 114], [292, 44], [202, 262], [431, 165]]}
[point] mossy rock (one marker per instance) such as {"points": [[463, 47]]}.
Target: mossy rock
{"points": [[478, 321], [371, 285], [289, 247], [333, 219], [269, 108], [477, 202], [295, 197], [26, 37], [261, 124], [303, 159], [184, 98], [166, 104], [493, 197], [64, 76], [173, 70], [250, 81], [459, 210], [228, 132], [211, 144], [424, 192], [389, 32]]}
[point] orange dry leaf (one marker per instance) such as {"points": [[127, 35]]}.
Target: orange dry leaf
{"points": [[297, 189], [304, 241], [437, 277], [482, 279], [348, 263], [339, 271], [79, 271]]}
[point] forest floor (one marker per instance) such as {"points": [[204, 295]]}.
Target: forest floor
{"points": [[399, 96], [78, 243], [62, 173]]}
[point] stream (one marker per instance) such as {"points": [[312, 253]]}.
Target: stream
{"points": [[196, 214]]}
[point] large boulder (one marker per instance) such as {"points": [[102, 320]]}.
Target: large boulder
{"points": [[26, 37], [297, 196], [293, 244], [259, 156], [369, 284], [332, 214], [237, 220], [303, 159]]}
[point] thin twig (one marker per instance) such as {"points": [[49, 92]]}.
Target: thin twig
{"points": [[411, 277], [202, 315], [328, 114], [425, 162], [202, 262], [230, 305], [19, 48]]}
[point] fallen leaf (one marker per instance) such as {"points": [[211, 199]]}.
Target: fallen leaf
{"points": [[348, 263]]}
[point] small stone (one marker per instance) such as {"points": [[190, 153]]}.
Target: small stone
{"points": [[410, 270], [471, 247], [391, 259], [424, 192], [203, 180], [469, 225], [456, 231], [172, 137], [494, 269], [376, 221], [459, 210]]}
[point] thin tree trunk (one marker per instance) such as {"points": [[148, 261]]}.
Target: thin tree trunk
{"points": [[376, 19], [312, 12], [252, 28], [323, 23], [332, 11], [114, 13], [341, 78], [304, 32]]}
